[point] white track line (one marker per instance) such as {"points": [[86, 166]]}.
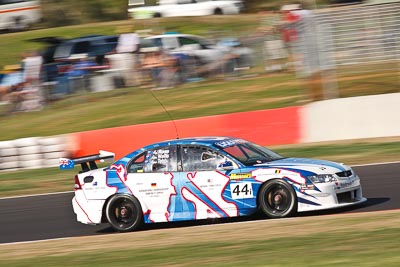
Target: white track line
{"points": [[38, 195]]}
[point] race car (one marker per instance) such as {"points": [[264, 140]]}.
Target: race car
{"points": [[206, 177]]}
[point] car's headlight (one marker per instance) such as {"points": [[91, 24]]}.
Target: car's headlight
{"points": [[322, 178]]}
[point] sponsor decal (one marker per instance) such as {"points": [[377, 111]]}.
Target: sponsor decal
{"points": [[347, 184], [304, 187], [277, 171], [239, 176], [153, 185], [228, 143], [160, 156], [225, 164]]}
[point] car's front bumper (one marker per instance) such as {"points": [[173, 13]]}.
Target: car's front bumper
{"points": [[330, 196]]}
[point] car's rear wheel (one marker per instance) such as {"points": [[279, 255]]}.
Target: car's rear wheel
{"points": [[124, 213], [277, 199]]}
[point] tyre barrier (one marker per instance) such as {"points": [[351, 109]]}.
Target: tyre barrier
{"points": [[32, 152]]}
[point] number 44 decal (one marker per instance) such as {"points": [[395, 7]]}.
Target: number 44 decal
{"points": [[241, 190]]}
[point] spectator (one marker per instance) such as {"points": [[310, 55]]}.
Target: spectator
{"points": [[79, 71], [127, 48], [169, 71], [11, 87], [289, 32], [152, 64], [313, 63], [32, 65], [32, 68]]}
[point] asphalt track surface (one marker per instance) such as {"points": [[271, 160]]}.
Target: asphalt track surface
{"points": [[51, 216]]}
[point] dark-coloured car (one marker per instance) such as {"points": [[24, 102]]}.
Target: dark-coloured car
{"points": [[59, 51]]}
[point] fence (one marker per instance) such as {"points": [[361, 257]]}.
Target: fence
{"points": [[364, 33], [342, 42]]}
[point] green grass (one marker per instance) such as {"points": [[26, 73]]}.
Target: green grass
{"points": [[314, 250], [135, 105], [214, 96], [24, 182], [357, 240], [131, 106]]}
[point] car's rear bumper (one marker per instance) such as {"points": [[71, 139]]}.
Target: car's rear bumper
{"points": [[87, 212]]}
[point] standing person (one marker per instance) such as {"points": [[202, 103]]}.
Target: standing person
{"points": [[128, 48], [275, 49], [289, 33], [314, 60], [32, 70], [11, 88]]}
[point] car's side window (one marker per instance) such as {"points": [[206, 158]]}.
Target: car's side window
{"points": [[137, 165], [155, 160], [186, 41], [197, 158], [161, 160], [81, 47], [170, 43]]}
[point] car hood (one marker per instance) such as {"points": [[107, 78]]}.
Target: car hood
{"points": [[312, 165]]}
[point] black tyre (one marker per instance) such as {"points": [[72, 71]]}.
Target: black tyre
{"points": [[19, 24], [218, 11], [157, 15], [277, 199], [124, 213]]}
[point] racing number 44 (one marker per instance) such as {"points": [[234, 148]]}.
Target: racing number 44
{"points": [[241, 190]]}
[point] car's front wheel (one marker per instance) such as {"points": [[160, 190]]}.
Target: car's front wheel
{"points": [[277, 199], [124, 213]]}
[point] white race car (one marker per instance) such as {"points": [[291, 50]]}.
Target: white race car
{"points": [[208, 177]]}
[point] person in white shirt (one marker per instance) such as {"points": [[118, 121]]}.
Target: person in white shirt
{"points": [[127, 60]]}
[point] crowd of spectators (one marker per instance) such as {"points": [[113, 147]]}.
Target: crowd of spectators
{"points": [[289, 44], [26, 86], [20, 84]]}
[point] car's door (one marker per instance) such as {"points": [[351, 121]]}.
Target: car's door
{"points": [[168, 42], [207, 183], [151, 177]]}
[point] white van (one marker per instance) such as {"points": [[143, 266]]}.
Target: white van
{"points": [[19, 14]]}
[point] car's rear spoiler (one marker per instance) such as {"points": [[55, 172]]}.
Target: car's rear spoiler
{"points": [[87, 162]]}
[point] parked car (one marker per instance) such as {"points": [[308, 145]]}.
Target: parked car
{"points": [[18, 15], [204, 50], [59, 51], [206, 177], [175, 8]]}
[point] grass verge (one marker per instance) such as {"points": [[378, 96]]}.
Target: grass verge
{"points": [[335, 240]]}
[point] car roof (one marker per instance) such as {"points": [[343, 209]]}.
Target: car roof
{"points": [[172, 35], [202, 140]]}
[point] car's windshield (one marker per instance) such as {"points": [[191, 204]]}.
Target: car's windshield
{"points": [[248, 153]]}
